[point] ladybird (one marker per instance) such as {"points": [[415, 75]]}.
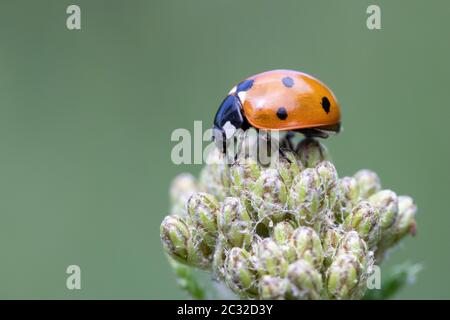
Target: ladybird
{"points": [[284, 100]]}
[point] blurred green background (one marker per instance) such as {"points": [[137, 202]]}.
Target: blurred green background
{"points": [[86, 118]]}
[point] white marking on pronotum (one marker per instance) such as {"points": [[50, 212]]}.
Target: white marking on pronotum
{"points": [[229, 129], [241, 96], [232, 91]]}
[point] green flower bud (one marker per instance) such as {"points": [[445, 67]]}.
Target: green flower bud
{"points": [[289, 167], [235, 223], [348, 191], [365, 219], [269, 195], [329, 180], [331, 238], [240, 234], [368, 182], [269, 258], [311, 152], [306, 282], [231, 210], [305, 196], [282, 232], [387, 204], [273, 288], [181, 189], [203, 209], [215, 175], [353, 244], [219, 257], [244, 174], [199, 250], [404, 224], [407, 211], [239, 273], [307, 246], [175, 236], [343, 277]]}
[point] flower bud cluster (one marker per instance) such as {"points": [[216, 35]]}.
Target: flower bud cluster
{"points": [[293, 230]]}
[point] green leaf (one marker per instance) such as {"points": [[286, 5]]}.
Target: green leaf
{"points": [[187, 280]]}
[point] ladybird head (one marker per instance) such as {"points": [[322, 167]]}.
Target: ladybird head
{"points": [[228, 119]]}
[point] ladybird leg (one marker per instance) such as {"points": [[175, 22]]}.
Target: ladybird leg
{"points": [[289, 137], [286, 142], [283, 154], [314, 133], [264, 147], [219, 139], [239, 137]]}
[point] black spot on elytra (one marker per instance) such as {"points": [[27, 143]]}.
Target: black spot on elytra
{"points": [[326, 104], [282, 113], [288, 82], [244, 85]]}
